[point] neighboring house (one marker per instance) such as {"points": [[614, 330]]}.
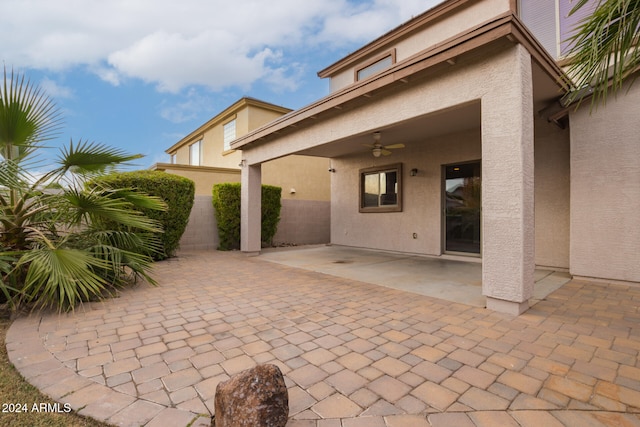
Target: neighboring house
{"points": [[464, 99], [206, 157]]}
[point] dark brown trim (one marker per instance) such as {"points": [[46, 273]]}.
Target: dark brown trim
{"points": [[397, 33], [506, 26]]}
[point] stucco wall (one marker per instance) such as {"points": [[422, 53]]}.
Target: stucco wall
{"points": [[551, 194], [463, 19], [203, 177], [202, 229], [605, 189], [422, 196], [302, 222], [308, 176]]}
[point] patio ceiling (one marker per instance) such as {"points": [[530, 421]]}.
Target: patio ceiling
{"points": [[461, 118], [414, 131]]}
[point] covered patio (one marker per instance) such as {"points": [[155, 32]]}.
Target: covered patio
{"points": [[455, 279], [479, 97]]}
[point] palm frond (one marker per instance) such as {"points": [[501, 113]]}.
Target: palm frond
{"points": [[7, 265], [137, 198], [125, 265], [61, 277], [91, 157], [27, 116], [13, 174], [604, 49], [89, 206]]}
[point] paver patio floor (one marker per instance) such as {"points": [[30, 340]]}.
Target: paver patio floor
{"points": [[353, 353]]}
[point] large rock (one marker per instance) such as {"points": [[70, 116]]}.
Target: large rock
{"points": [[256, 397]]}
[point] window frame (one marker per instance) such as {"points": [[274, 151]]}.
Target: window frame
{"points": [[199, 143], [397, 207], [226, 143], [373, 62]]}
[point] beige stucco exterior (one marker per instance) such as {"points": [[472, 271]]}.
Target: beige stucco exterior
{"points": [[470, 83], [204, 177], [560, 186], [304, 180], [342, 74], [307, 175], [605, 189]]}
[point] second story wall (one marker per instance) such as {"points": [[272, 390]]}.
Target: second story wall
{"points": [[426, 31], [214, 137]]}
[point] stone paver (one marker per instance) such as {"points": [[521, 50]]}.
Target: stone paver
{"points": [[353, 354]]}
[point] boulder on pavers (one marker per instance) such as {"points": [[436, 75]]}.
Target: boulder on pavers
{"points": [[256, 397]]}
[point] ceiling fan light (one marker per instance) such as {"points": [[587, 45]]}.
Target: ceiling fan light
{"points": [[377, 151]]}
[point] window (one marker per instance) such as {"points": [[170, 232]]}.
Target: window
{"points": [[229, 131], [195, 151], [378, 64], [381, 189]]}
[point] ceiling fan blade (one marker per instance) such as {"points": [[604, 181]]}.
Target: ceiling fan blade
{"points": [[369, 145], [393, 146], [385, 152]]}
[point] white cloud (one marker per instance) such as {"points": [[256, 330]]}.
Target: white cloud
{"points": [[188, 109], [55, 90], [176, 44]]}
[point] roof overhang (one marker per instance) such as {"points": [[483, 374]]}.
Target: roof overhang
{"points": [[550, 82]]}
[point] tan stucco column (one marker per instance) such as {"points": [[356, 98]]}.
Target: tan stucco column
{"points": [[508, 260], [251, 209]]}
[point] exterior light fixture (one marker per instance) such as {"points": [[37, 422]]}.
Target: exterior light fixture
{"points": [[413, 172]]}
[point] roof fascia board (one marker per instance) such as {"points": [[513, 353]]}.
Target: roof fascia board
{"points": [[506, 25], [397, 33]]}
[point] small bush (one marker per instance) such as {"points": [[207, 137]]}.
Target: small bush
{"points": [[271, 204], [177, 192], [226, 203]]}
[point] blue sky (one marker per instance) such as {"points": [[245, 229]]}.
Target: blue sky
{"points": [[141, 74]]}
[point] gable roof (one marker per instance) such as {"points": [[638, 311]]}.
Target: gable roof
{"points": [[224, 115]]}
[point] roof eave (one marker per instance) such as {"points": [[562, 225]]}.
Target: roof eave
{"points": [[390, 37], [505, 26]]}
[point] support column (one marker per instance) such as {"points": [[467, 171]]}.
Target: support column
{"points": [[251, 209], [508, 255]]}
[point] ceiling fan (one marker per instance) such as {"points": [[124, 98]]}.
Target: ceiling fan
{"points": [[377, 149]]}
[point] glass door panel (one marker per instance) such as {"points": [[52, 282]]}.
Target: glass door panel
{"points": [[462, 208]]}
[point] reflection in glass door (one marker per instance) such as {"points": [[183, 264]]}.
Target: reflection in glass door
{"points": [[462, 208]]}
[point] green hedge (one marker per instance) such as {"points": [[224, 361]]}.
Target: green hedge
{"points": [[226, 203], [177, 192]]}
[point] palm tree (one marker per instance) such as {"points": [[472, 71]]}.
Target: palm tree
{"points": [[62, 242], [604, 48]]}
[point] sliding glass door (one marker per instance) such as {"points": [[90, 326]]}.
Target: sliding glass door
{"points": [[462, 208]]}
